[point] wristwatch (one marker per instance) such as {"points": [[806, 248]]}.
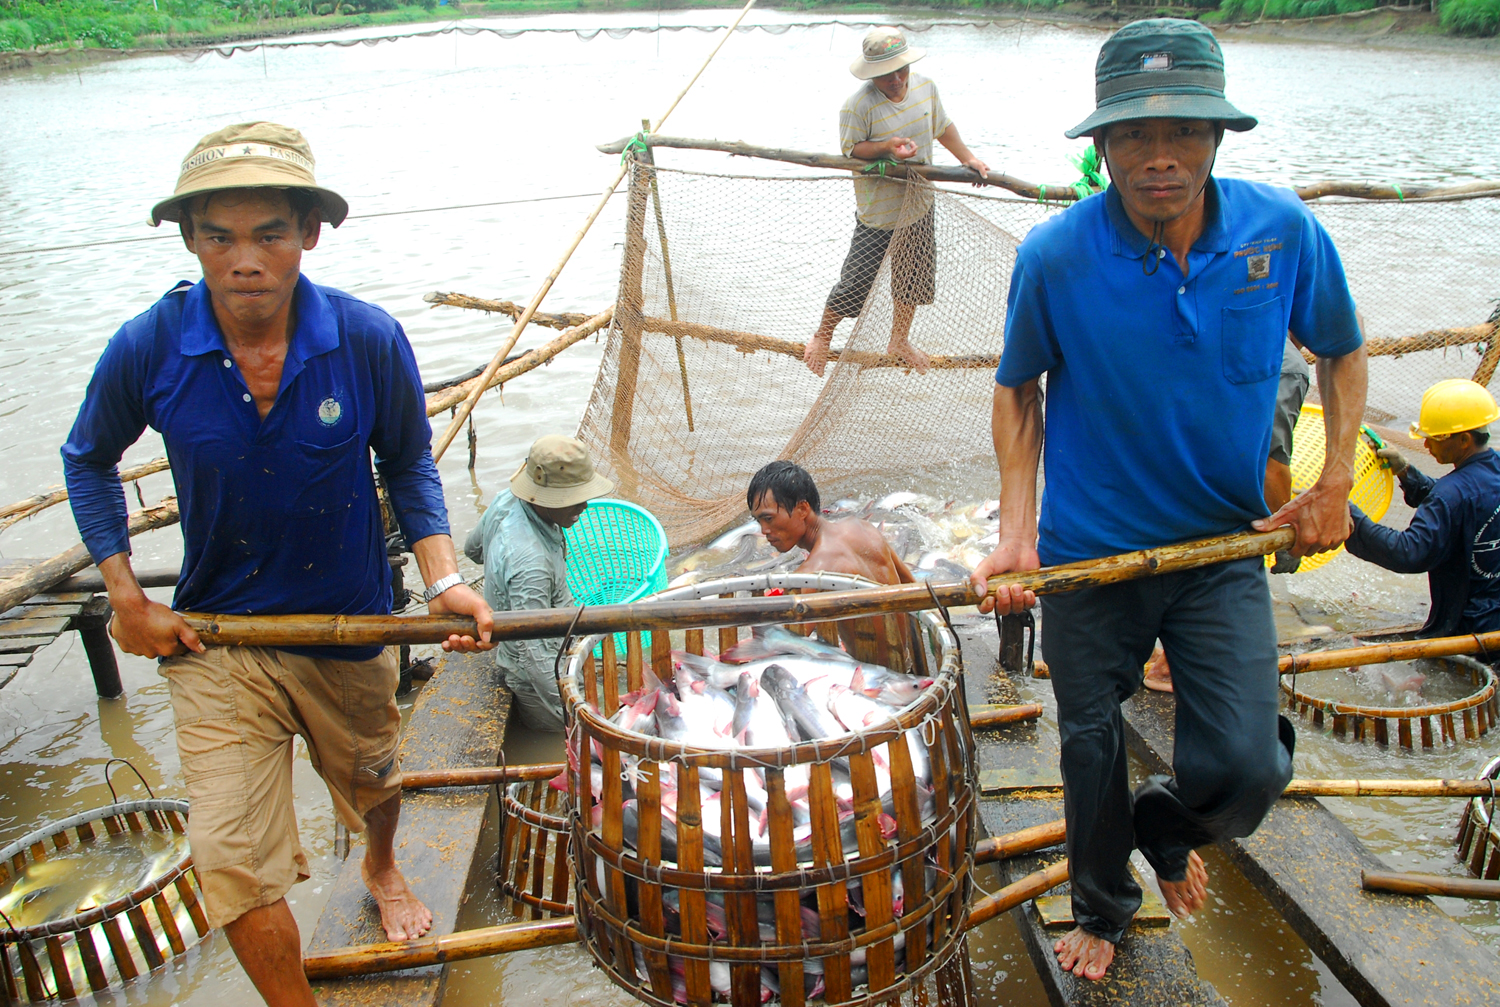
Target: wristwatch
{"points": [[442, 584]]}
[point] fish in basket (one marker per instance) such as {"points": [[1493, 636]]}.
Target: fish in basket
{"points": [[781, 818]]}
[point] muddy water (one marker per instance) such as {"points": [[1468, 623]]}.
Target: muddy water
{"points": [[446, 122]]}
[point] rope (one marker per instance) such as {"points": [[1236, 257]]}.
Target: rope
{"points": [[879, 166], [641, 142], [1088, 164]]}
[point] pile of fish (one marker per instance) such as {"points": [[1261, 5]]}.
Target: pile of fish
{"points": [[941, 540], [81, 877], [773, 690]]}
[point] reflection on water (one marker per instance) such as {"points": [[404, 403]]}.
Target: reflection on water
{"points": [[87, 875]]}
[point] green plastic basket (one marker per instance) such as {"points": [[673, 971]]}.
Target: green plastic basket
{"points": [[617, 553]]}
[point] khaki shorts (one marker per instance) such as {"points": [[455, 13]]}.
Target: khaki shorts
{"points": [[237, 710]]}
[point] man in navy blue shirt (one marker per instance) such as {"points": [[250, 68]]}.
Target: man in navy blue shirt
{"points": [[1158, 310], [270, 392], [1454, 537]]}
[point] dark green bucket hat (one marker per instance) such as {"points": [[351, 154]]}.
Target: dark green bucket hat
{"points": [[1161, 68]]}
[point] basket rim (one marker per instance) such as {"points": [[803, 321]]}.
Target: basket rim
{"points": [[97, 814], [1479, 697]]}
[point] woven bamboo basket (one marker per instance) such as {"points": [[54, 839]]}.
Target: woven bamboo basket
{"points": [[1436, 722], [718, 920], [68, 950], [534, 850], [1478, 841]]}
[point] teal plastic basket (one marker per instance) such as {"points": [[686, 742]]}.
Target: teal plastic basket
{"points": [[617, 553]]}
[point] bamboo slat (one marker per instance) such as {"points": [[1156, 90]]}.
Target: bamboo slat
{"points": [[456, 947], [1013, 895], [1428, 884]]}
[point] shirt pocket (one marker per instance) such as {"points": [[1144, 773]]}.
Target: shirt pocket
{"points": [[1252, 339], [328, 474]]}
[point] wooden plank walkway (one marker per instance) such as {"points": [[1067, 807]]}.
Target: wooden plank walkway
{"points": [[35, 623], [1152, 967], [459, 719], [1385, 949]]}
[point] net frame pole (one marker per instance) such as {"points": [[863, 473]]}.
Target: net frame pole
{"points": [[467, 406], [630, 316], [666, 265]]}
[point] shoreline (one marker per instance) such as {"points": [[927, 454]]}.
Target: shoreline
{"points": [[1382, 27]]}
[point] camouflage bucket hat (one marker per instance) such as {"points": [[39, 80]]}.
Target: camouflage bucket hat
{"points": [[249, 155], [1161, 68]]}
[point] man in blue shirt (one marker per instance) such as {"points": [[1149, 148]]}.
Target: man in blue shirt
{"points": [[270, 393], [1158, 310], [1454, 537]]}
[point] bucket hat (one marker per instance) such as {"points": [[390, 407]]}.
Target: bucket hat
{"points": [[558, 473], [884, 51], [1161, 68], [249, 155]]}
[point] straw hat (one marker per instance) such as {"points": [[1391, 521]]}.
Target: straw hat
{"points": [[558, 473], [884, 51], [249, 155]]}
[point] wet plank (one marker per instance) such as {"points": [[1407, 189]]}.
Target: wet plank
{"points": [[24, 644], [1385, 949], [34, 608], [458, 720], [1152, 966], [11, 629]]}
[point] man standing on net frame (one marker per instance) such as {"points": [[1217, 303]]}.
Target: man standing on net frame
{"points": [[1158, 310], [895, 116], [270, 392]]}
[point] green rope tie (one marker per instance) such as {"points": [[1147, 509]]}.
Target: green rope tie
{"points": [[1088, 164], [879, 165], [1041, 193], [640, 142], [1399, 194]]}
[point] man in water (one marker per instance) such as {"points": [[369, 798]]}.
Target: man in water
{"points": [[270, 393], [520, 543], [1454, 537], [1158, 310], [895, 116], [784, 501]]}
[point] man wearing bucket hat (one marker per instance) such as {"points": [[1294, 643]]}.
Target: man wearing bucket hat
{"points": [[520, 543], [1454, 537], [270, 393], [895, 116], [1158, 310]]}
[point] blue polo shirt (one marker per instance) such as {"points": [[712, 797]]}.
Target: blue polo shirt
{"points": [[1161, 388], [280, 515]]}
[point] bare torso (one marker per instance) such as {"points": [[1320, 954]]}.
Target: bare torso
{"points": [[856, 548]]}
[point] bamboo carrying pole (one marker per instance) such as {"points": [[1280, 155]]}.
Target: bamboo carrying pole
{"points": [[1013, 895], [467, 406], [1365, 788], [1428, 884], [1408, 650], [479, 776], [983, 718], [367, 630], [1017, 844]]}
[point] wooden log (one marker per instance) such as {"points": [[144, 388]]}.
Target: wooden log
{"points": [[341, 630], [1060, 192], [20, 510], [455, 947], [1013, 895], [982, 718], [1409, 650], [1429, 884], [479, 776], [750, 342], [1020, 843], [558, 320], [46, 574]]}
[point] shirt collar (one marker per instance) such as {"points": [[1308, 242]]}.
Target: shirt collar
{"points": [[317, 326], [545, 528], [1129, 242]]}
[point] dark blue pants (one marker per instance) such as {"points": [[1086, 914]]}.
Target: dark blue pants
{"points": [[1233, 752]]}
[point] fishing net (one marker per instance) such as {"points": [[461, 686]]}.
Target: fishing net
{"points": [[724, 279]]}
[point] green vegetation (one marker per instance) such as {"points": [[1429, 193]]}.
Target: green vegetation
{"points": [[1470, 17]]}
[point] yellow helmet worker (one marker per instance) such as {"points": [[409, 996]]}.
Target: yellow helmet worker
{"points": [[1454, 537]]}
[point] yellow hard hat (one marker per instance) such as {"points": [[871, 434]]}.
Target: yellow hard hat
{"points": [[1453, 406]]}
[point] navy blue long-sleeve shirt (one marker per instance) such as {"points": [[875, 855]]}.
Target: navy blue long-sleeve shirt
{"points": [[1454, 538], [278, 515]]}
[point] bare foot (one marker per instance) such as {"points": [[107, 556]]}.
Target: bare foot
{"points": [[1084, 954], [402, 914], [1186, 897], [1158, 672], [816, 354], [909, 353]]}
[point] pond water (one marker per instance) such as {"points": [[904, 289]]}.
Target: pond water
{"points": [[453, 121]]}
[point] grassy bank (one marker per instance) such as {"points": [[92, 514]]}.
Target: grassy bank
{"points": [[126, 24]]}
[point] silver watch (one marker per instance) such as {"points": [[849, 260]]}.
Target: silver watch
{"points": [[442, 584]]}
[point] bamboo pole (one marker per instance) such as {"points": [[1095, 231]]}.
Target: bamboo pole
{"points": [[450, 397], [1406, 650], [557, 320], [1389, 788], [666, 263], [467, 406], [1428, 884], [750, 342], [393, 956], [1059, 192], [45, 575], [983, 718], [1016, 844], [367, 630], [32, 505], [478, 776], [1013, 895]]}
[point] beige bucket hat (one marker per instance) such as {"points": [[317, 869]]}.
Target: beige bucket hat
{"points": [[558, 473], [884, 51], [249, 155]]}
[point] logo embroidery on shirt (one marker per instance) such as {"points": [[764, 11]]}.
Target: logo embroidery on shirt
{"points": [[330, 411], [1259, 266]]}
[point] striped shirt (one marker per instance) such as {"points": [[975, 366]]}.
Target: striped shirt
{"points": [[869, 115]]}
